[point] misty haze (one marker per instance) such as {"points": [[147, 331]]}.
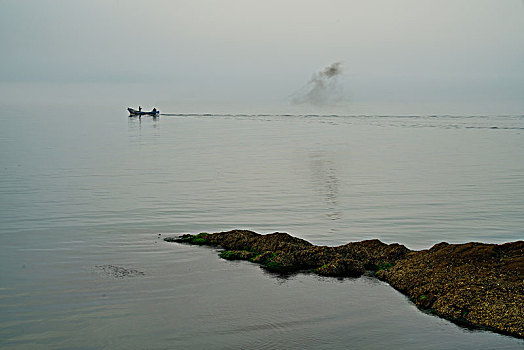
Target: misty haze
{"points": [[261, 175]]}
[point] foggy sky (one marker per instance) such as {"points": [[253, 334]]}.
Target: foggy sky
{"points": [[419, 56]]}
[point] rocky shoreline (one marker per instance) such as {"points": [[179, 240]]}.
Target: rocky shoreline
{"points": [[473, 284]]}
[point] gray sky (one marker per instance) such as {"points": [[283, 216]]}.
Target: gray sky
{"points": [[402, 56]]}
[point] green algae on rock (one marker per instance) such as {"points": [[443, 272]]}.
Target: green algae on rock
{"points": [[474, 284], [198, 239], [281, 252], [237, 255]]}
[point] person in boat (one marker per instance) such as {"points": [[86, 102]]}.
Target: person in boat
{"points": [[140, 108], [154, 110]]}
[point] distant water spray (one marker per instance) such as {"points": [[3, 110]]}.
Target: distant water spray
{"points": [[323, 88]]}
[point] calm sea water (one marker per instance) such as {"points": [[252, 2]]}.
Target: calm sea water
{"points": [[87, 195]]}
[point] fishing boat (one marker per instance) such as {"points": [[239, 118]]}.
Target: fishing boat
{"points": [[135, 112]]}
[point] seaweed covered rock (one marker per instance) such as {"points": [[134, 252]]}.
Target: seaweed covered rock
{"points": [[284, 253], [373, 253], [199, 239], [237, 255], [233, 240], [473, 283], [279, 242], [342, 268]]}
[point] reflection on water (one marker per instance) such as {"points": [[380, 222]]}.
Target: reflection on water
{"points": [[326, 183], [136, 121]]}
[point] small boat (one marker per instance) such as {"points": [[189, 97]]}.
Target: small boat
{"points": [[134, 112]]}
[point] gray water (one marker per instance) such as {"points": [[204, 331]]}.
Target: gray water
{"points": [[86, 196]]}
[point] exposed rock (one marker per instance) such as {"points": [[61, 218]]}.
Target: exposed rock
{"points": [[373, 252], [263, 258], [474, 284], [342, 268]]}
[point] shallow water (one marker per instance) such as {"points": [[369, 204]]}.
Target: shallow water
{"points": [[85, 195]]}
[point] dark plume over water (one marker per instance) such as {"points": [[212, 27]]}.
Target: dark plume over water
{"points": [[323, 88]]}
